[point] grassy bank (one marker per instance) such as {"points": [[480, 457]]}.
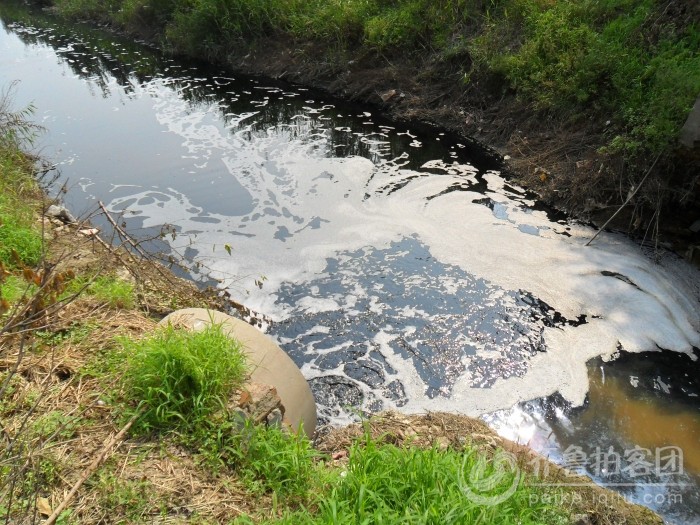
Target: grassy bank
{"points": [[95, 397], [584, 96]]}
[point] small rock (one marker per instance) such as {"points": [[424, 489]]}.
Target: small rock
{"points": [[690, 133], [60, 213], [238, 417], [125, 275], [89, 232], [388, 95], [274, 418], [695, 227], [244, 399], [442, 442], [259, 400]]}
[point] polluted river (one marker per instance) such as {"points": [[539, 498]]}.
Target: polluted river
{"points": [[392, 261]]}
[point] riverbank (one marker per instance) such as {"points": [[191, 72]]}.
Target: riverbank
{"points": [[581, 100], [71, 308]]}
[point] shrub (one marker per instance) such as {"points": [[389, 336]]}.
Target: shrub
{"points": [[598, 58]]}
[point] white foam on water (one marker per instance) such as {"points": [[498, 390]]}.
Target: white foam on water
{"points": [[309, 207]]}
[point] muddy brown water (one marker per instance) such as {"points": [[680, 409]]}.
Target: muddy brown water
{"points": [[392, 262]]}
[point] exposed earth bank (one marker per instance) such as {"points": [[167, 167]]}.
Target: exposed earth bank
{"points": [[559, 162]]}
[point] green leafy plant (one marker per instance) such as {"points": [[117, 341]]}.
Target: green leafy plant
{"points": [[598, 58], [54, 424], [131, 498]]}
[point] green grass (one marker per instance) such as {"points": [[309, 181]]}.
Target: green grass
{"points": [[14, 288], [381, 483], [115, 292], [385, 483], [20, 239], [20, 243], [178, 378], [266, 459], [182, 380]]}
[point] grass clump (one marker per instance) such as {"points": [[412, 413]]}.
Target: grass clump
{"points": [[178, 378], [115, 292], [385, 483], [20, 243], [267, 459], [20, 240]]}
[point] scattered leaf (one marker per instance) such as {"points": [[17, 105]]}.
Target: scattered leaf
{"points": [[44, 507]]}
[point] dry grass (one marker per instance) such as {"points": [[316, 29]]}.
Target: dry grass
{"points": [[58, 415]]}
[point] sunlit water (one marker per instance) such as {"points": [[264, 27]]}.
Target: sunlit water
{"points": [[393, 263]]}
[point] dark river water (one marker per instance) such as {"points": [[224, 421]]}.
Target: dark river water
{"points": [[393, 262]]}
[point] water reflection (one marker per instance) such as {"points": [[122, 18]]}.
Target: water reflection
{"points": [[107, 62]]}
